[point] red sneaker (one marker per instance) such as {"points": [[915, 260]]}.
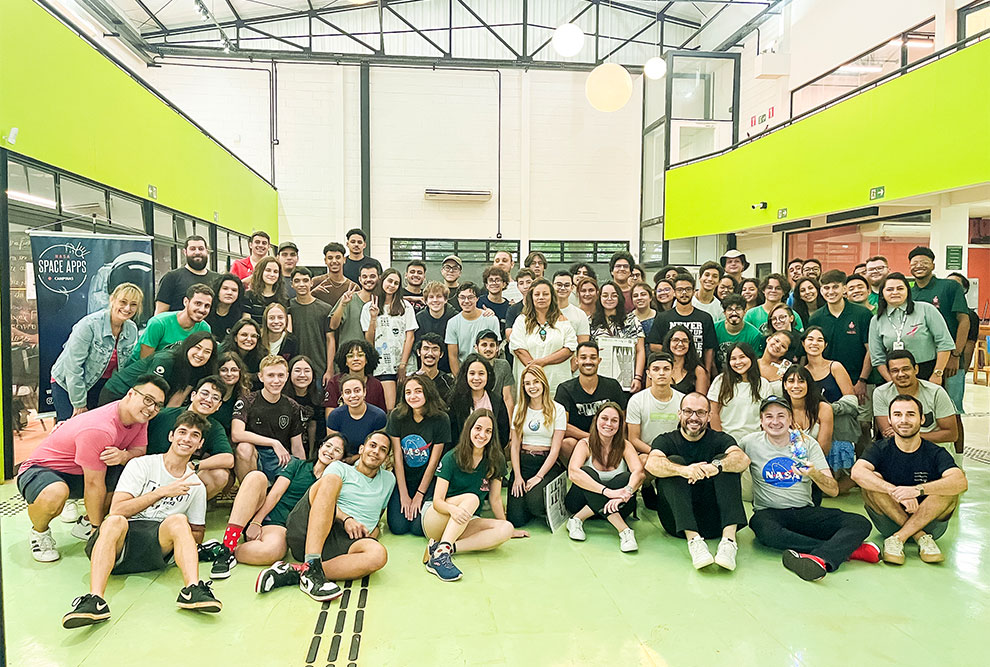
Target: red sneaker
{"points": [[866, 552]]}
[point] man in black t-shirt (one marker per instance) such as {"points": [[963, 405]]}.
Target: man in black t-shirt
{"points": [[698, 473], [434, 318], [267, 426], [357, 241], [910, 485], [583, 395], [173, 285], [695, 320], [430, 349]]}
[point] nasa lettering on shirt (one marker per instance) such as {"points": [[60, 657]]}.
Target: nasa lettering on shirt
{"points": [[415, 450], [781, 473]]}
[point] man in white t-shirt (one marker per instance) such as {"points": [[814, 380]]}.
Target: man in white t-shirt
{"points": [[654, 410], [563, 286], [464, 327], [158, 512]]}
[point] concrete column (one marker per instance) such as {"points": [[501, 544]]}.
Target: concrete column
{"points": [[945, 24], [950, 227]]}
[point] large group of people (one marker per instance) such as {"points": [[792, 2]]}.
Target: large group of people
{"points": [[326, 406]]}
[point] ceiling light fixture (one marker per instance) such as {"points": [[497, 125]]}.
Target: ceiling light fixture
{"points": [[568, 40], [609, 86], [656, 67]]}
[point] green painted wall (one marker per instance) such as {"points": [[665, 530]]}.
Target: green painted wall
{"points": [[78, 111], [922, 133]]}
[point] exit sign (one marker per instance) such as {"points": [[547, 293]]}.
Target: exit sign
{"points": [[152, 192], [877, 192], [781, 213]]}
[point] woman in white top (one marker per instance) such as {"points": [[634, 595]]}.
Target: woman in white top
{"points": [[389, 323], [534, 446], [735, 395], [542, 336], [605, 472]]}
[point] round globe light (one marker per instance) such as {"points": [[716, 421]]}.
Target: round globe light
{"points": [[655, 68], [568, 40], [608, 87]]}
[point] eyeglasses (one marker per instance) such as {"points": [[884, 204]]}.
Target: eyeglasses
{"points": [[620, 267], [466, 297], [683, 290], [149, 402], [450, 267], [694, 413]]}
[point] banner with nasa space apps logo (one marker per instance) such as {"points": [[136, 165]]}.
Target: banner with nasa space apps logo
{"points": [[74, 275]]}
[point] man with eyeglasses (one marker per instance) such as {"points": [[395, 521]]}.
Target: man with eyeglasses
{"points": [[620, 266], [464, 327], [734, 329], [699, 484], [563, 288], [495, 280], [876, 272], [450, 271], [214, 458], [83, 458], [695, 320]]}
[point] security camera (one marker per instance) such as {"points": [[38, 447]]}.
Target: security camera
{"points": [[759, 205]]}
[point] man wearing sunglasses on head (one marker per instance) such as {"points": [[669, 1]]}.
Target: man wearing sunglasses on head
{"points": [[83, 458]]}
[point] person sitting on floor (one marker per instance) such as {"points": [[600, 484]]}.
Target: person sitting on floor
{"points": [[698, 476], [83, 458], [911, 486], [784, 465], [605, 473], [158, 513], [466, 474], [938, 414], [333, 529], [261, 516]]}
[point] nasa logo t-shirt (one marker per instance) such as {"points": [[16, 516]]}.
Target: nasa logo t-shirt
{"points": [[417, 439], [777, 484]]}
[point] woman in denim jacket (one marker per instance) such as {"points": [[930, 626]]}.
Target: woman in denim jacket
{"points": [[97, 345]]}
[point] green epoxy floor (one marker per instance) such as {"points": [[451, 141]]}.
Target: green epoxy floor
{"points": [[541, 601]]}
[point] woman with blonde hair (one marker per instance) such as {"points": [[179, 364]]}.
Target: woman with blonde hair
{"points": [[534, 446], [275, 335]]}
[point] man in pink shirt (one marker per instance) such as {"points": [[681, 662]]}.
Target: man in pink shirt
{"points": [[83, 458], [261, 242]]}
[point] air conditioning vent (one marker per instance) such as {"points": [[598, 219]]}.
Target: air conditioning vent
{"points": [[446, 194]]}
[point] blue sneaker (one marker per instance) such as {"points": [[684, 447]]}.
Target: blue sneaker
{"points": [[441, 565]]}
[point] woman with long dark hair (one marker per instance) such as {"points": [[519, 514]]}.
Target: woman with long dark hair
{"points": [[807, 297], [182, 367], [306, 390], [355, 419], [244, 339], [356, 357], [777, 357], [726, 286], [735, 394], [664, 292], [689, 374], [642, 297], [749, 290], [587, 295], [474, 389], [389, 323], [605, 473], [420, 431], [237, 384], [265, 288], [228, 306], [468, 473], [611, 321]]}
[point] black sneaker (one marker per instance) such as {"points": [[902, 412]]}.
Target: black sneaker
{"points": [[199, 597], [223, 564], [86, 610], [208, 550], [277, 575], [314, 583], [806, 566]]}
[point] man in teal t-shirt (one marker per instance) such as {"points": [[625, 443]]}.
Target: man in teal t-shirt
{"points": [[167, 329], [734, 329]]}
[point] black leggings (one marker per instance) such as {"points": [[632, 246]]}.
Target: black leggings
{"points": [[519, 511], [578, 498]]}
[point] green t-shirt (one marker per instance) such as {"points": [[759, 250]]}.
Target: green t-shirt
{"points": [[873, 299], [749, 334], [947, 296], [164, 330], [460, 482], [301, 477], [847, 336], [214, 442], [160, 363]]}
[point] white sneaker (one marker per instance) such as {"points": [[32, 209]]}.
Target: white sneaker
{"points": [[43, 546], [627, 541], [725, 557], [700, 555], [70, 512], [893, 550], [928, 550], [82, 529], [575, 529]]}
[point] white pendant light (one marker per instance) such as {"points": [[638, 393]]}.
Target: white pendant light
{"points": [[609, 87], [655, 68], [568, 40]]}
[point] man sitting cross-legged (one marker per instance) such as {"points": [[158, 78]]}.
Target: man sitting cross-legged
{"points": [[911, 486], [698, 476], [333, 529], [261, 516], [158, 512]]}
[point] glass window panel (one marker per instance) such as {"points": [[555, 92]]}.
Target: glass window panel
{"points": [[162, 254], [845, 246], [163, 223], [405, 255], [977, 20], [653, 173], [407, 244], [655, 91], [183, 227], [435, 255], [682, 251], [440, 245], [126, 212], [570, 257], [651, 251], [81, 199], [32, 186], [471, 245], [544, 246], [473, 256]]}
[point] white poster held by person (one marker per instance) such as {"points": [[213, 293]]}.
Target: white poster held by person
{"points": [[553, 497], [618, 359]]}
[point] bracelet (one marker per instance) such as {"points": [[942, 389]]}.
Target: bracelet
{"points": [[422, 493], [345, 520], [864, 380], [255, 523]]}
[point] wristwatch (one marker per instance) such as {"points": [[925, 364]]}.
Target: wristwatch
{"points": [[718, 464], [956, 353], [921, 489], [938, 372]]}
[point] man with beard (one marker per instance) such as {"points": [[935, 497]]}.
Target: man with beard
{"points": [[413, 284], [430, 349], [938, 415], [695, 320], [173, 285], [698, 473], [910, 485], [876, 272], [734, 329], [346, 318], [583, 395], [333, 284]]}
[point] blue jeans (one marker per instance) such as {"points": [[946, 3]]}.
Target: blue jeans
{"points": [[63, 407]]}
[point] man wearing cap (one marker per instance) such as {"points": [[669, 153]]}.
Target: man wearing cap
{"points": [[450, 271], [946, 295], [288, 257], [734, 263], [784, 465], [260, 243]]}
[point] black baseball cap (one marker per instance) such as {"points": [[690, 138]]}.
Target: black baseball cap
{"points": [[922, 250], [775, 400], [485, 333]]}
